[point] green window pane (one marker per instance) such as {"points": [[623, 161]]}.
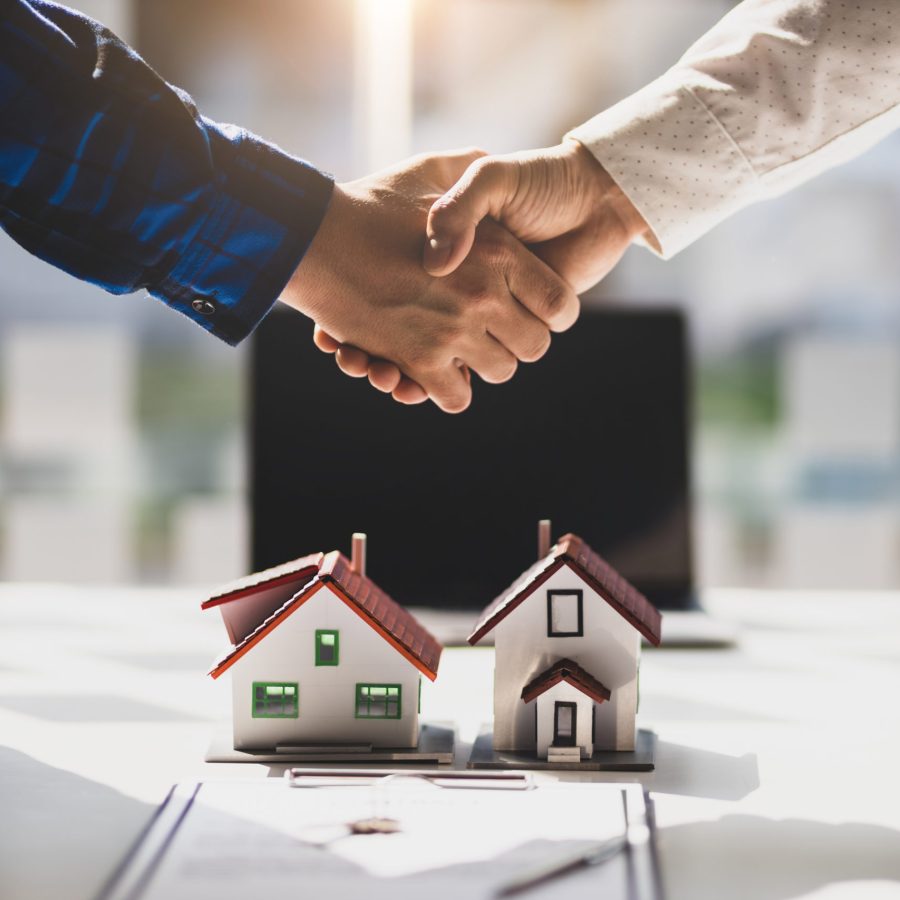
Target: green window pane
{"points": [[275, 700], [378, 701], [327, 648]]}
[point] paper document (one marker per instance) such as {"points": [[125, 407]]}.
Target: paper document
{"points": [[268, 841]]}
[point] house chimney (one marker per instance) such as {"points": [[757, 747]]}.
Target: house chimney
{"points": [[358, 554], [543, 538]]}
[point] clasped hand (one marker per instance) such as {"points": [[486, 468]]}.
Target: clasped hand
{"points": [[508, 243]]}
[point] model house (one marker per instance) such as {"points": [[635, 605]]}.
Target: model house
{"points": [[322, 657], [568, 638]]}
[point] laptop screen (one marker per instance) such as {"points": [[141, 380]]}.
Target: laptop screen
{"points": [[593, 437]]}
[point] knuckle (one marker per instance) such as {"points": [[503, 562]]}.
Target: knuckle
{"points": [[536, 346], [479, 292], [442, 211], [448, 213], [484, 169], [554, 302]]}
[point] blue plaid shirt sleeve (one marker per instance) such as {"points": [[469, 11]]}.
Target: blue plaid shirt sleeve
{"points": [[110, 173]]}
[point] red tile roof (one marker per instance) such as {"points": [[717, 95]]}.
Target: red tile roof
{"points": [[570, 672], [295, 570], [395, 624], [573, 552]]}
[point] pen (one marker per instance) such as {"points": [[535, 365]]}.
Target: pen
{"points": [[562, 865]]}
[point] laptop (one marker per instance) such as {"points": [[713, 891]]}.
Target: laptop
{"points": [[594, 437]]}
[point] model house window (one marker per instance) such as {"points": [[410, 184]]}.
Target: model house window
{"points": [[327, 648], [275, 700], [378, 701], [564, 614]]}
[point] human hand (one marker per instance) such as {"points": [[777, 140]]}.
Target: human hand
{"points": [[362, 282], [558, 200]]}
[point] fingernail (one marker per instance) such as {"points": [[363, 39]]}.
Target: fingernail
{"points": [[437, 252]]}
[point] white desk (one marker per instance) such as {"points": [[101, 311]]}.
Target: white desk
{"points": [[777, 772]]}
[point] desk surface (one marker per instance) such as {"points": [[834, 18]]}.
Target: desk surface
{"points": [[776, 776]]}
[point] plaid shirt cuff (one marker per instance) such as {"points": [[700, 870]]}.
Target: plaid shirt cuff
{"points": [[265, 209]]}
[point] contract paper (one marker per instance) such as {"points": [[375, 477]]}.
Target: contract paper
{"points": [[270, 841]]}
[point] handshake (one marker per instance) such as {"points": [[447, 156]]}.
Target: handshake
{"points": [[453, 263]]}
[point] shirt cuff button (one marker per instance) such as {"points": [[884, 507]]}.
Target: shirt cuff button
{"points": [[203, 306]]}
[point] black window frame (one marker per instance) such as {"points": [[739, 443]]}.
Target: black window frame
{"points": [[567, 592]]}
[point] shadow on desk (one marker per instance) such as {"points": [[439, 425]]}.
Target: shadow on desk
{"points": [[60, 832], [692, 772], [752, 858]]}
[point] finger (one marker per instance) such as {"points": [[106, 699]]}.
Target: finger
{"points": [[384, 376], [324, 341], [409, 392], [352, 361], [484, 190], [448, 387], [521, 332], [540, 290], [492, 361]]}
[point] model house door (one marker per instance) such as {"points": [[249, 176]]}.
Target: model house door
{"points": [[564, 724]]}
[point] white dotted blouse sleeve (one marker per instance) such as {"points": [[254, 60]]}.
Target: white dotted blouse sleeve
{"points": [[777, 92]]}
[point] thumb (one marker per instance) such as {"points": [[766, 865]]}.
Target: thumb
{"points": [[485, 189]]}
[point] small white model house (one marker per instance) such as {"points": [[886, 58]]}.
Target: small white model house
{"points": [[322, 657], [567, 635]]}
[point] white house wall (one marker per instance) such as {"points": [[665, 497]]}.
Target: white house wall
{"points": [[327, 694], [608, 649], [565, 693]]}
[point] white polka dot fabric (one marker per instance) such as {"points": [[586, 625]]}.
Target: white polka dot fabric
{"points": [[777, 92]]}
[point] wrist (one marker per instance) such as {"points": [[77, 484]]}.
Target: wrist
{"points": [[301, 292], [602, 195]]}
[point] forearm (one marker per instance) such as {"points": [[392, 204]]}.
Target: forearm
{"points": [[109, 173], [777, 92]]}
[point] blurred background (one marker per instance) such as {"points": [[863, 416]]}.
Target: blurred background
{"points": [[121, 424]]}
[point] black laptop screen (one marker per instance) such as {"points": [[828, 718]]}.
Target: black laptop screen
{"points": [[593, 437]]}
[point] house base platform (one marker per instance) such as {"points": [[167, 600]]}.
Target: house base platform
{"points": [[641, 759], [436, 744]]}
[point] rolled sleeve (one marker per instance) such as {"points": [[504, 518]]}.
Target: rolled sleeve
{"points": [[265, 207], [111, 174]]}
